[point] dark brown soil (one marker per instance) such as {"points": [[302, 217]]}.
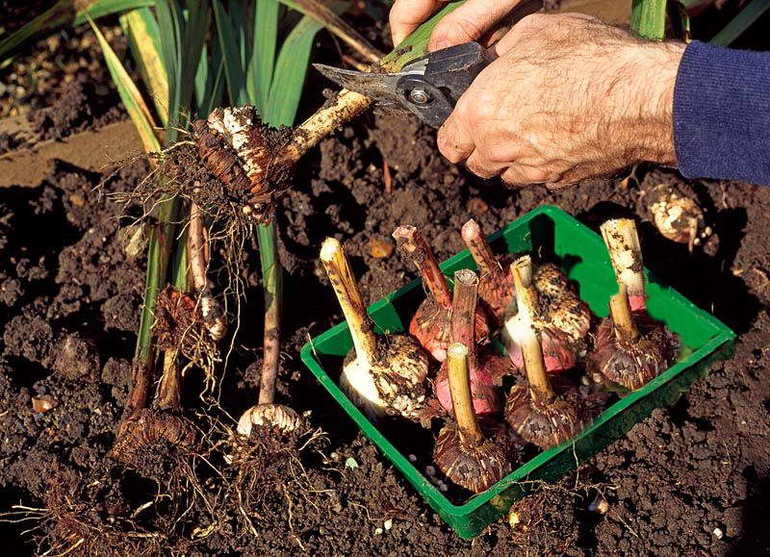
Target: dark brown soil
{"points": [[690, 480], [61, 86]]}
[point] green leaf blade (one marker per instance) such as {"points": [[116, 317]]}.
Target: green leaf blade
{"points": [[129, 94], [745, 19], [290, 71]]}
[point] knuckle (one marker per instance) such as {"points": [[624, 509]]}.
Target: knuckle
{"points": [[494, 152], [533, 22], [447, 147], [481, 106], [537, 175]]}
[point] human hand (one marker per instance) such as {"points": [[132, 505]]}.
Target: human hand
{"points": [[475, 20], [569, 98]]}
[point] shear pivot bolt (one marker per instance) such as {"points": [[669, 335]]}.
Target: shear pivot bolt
{"points": [[419, 96]]}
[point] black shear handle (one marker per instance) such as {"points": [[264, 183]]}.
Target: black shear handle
{"points": [[448, 73]]}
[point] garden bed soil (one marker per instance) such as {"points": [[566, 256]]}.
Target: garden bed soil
{"points": [[690, 480]]}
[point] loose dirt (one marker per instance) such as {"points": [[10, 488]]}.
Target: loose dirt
{"points": [[690, 480]]}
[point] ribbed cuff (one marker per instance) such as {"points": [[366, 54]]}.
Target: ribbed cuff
{"points": [[722, 114]]}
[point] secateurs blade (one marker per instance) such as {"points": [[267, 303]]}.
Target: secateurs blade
{"points": [[428, 86]]}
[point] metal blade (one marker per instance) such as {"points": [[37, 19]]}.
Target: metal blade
{"points": [[379, 86]]}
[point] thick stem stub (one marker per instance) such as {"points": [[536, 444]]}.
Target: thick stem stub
{"points": [[625, 251], [480, 250], [523, 330], [464, 310], [470, 456], [460, 389], [413, 247], [350, 299], [345, 106], [495, 285], [620, 310]]}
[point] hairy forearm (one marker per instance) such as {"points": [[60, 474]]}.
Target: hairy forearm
{"points": [[648, 125]]}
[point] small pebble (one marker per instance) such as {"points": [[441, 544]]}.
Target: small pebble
{"points": [[442, 486], [388, 524], [43, 403], [513, 519], [77, 200], [599, 505], [718, 533], [351, 463], [412, 458], [377, 531], [430, 470], [380, 248]]}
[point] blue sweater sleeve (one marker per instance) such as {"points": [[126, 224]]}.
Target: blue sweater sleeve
{"points": [[722, 114]]}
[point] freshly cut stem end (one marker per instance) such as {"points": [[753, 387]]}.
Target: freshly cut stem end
{"points": [[620, 310], [523, 276], [346, 106], [525, 334], [622, 242], [349, 296], [460, 390], [413, 247], [480, 250]]}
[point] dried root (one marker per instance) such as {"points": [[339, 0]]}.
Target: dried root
{"points": [[180, 325]]}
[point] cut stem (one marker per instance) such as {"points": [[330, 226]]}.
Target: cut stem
{"points": [[346, 106], [460, 390], [349, 104], [620, 310], [622, 242], [526, 293], [198, 254], [414, 248], [524, 331], [480, 250], [464, 311], [349, 296]]}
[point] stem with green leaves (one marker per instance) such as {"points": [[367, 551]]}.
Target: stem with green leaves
{"points": [[648, 19]]}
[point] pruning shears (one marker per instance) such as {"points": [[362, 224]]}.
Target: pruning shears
{"points": [[428, 86], [431, 85]]}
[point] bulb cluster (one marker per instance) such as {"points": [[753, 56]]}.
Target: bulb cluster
{"points": [[494, 403]]}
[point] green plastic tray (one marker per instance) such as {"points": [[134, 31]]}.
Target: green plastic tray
{"points": [[555, 236]]}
